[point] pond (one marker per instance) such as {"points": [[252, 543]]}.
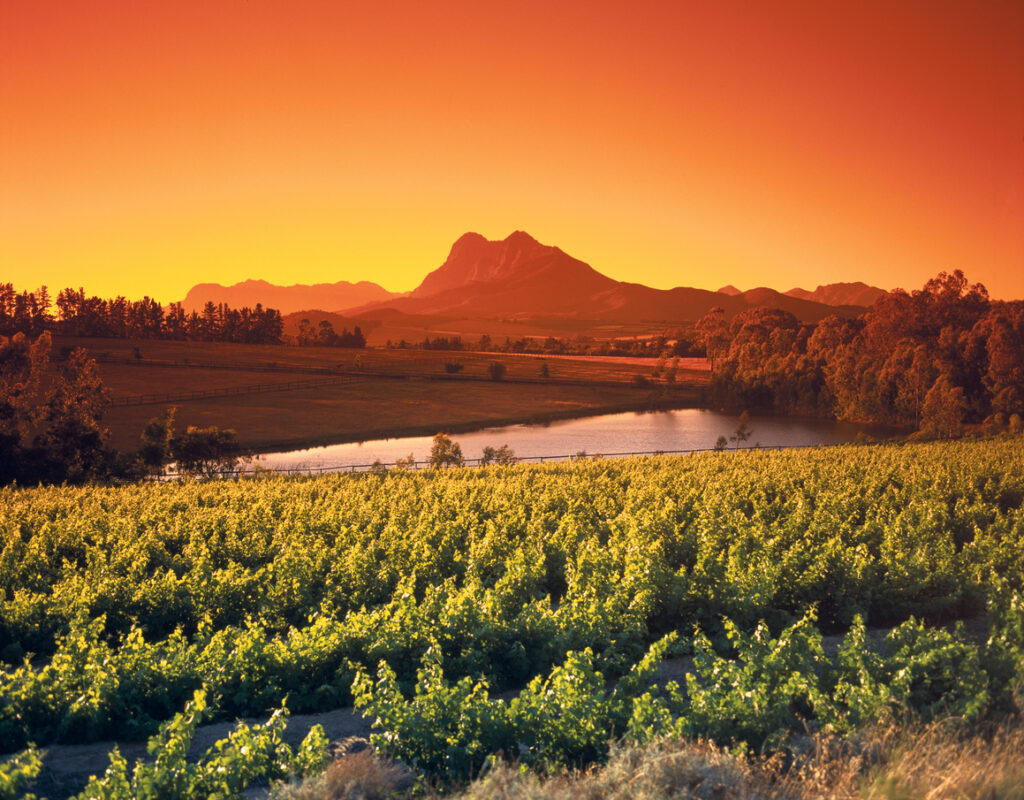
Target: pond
{"points": [[607, 435]]}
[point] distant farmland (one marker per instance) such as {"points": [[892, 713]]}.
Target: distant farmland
{"points": [[277, 396]]}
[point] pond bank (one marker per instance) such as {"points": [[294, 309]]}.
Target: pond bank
{"points": [[680, 400]]}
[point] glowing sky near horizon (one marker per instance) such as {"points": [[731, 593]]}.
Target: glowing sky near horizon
{"points": [[146, 147]]}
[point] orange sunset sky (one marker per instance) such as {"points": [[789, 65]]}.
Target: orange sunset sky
{"points": [[148, 146]]}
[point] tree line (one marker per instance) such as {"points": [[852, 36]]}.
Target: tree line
{"points": [[933, 359], [81, 315], [324, 335], [673, 342]]}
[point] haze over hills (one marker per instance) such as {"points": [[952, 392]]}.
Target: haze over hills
{"points": [[286, 299], [519, 279]]}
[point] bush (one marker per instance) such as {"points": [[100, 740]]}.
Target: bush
{"points": [[496, 370], [249, 753], [451, 729], [768, 691], [452, 367], [503, 456], [921, 671], [17, 773], [447, 729]]}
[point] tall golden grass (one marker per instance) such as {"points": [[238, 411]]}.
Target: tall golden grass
{"points": [[942, 761]]}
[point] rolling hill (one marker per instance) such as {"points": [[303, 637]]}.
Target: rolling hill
{"points": [[286, 299], [840, 294]]}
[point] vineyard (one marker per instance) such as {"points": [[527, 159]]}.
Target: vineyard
{"points": [[518, 609]]}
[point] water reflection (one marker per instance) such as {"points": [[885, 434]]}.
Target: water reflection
{"points": [[610, 434]]}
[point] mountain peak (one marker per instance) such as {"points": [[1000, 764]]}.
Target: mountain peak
{"points": [[475, 259], [520, 238]]}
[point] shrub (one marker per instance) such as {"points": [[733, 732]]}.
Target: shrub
{"points": [[206, 452], [569, 716], [503, 456], [225, 770], [17, 773], [770, 690], [926, 672], [447, 729]]}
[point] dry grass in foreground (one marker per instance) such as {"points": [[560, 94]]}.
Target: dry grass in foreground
{"points": [[939, 762]]}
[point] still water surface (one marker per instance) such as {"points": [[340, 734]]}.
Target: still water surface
{"points": [[630, 432]]}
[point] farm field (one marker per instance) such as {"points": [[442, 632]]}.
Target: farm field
{"points": [[371, 408], [383, 392], [403, 362], [474, 609]]}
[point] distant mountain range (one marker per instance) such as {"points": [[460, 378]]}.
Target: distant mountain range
{"points": [[840, 294], [286, 299], [831, 294], [518, 278]]}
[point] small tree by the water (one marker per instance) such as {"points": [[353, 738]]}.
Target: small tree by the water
{"points": [[445, 452], [409, 462], [743, 430]]}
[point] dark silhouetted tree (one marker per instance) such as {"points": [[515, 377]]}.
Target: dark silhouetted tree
{"points": [[206, 452], [155, 442], [50, 429]]}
